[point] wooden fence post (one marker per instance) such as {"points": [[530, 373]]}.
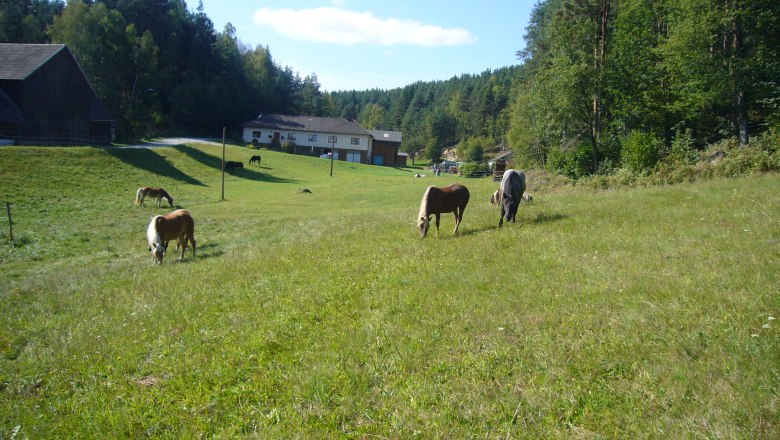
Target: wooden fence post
{"points": [[10, 222]]}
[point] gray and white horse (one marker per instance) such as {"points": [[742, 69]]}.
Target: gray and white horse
{"points": [[511, 194]]}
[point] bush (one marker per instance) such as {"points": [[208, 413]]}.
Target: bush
{"points": [[575, 164], [288, 147], [641, 151], [473, 169]]}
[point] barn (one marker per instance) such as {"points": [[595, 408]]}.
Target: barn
{"points": [[385, 148], [45, 98]]}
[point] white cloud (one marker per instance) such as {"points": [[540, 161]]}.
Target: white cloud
{"points": [[334, 25]]}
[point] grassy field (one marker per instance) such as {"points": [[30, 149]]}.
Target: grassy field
{"points": [[643, 313]]}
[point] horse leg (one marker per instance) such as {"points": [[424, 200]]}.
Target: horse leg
{"points": [[143, 196], [183, 243], [501, 221], [437, 224], [457, 221], [192, 240]]}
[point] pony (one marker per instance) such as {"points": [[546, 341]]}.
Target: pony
{"points": [[510, 194], [255, 159], [435, 201], [157, 193], [230, 165], [495, 198], [177, 225]]}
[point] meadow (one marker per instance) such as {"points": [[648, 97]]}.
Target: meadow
{"points": [[629, 313]]}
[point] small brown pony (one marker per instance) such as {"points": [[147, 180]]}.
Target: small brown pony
{"points": [[157, 193], [435, 201], [178, 225]]}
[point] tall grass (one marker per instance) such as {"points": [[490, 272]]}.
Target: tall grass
{"points": [[627, 313]]}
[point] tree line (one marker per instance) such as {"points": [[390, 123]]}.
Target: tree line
{"points": [[157, 65], [599, 84]]}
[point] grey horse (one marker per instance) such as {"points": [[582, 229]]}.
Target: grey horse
{"points": [[511, 193]]}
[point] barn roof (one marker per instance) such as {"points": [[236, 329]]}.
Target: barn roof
{"points": [[21, 60], [306, 123], [386, 135]]}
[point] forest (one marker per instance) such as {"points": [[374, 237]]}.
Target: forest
{"points": [[599, 84]]}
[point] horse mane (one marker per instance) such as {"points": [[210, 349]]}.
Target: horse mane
{"points": [[138, 196], [152, 235], [424, 204]]}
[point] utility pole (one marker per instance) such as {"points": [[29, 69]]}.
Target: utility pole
{"points": [[223, 163], [332, 139]]}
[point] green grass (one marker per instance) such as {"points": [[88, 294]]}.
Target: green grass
{"points": [[618, 314]]}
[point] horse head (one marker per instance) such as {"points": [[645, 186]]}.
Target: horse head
{"points": [[422, 224], [158, 252]]}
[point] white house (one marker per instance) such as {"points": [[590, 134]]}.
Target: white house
{"points": [[316, 135]]}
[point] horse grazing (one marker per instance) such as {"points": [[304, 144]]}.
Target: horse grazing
{"points": [[495, 198], [177, 225], [510, 194], [256, 159], [157, 193], [435, 201], [230, 165]]}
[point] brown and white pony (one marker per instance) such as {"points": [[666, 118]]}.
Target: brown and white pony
{"points": [[157, 193], [435, 201], [177, 225]]}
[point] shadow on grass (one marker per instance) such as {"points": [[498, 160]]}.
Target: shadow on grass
{"points": [[548, 218], [216, 163], [148, 160]]}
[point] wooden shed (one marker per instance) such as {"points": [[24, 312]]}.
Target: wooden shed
{"points": [[384, 148], [45, 98]]}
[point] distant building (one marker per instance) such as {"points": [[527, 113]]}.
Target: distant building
{"points": [[45, 98], [312, 135], [319, 136], [385, 146]]}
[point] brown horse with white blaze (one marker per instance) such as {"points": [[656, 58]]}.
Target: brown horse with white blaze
{"points": [[435, 201], [177, 225], [157, 193]]}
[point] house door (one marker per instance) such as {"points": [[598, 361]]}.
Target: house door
{"points": [[276, 138]]}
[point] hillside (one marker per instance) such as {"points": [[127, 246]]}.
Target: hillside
{"points": [[624, 313]]}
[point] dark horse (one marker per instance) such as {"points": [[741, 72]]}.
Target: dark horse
{"points": [[231, 166], [510, 194], [255, 159], [435, 201]]}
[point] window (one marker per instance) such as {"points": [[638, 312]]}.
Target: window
{"points": [[290, 136], [333, 139], [255, 134], [312, 138], [355, 141]]}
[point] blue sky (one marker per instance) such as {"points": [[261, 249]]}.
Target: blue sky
{"points": [[359, 45]]}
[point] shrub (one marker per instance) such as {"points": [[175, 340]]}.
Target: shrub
{"points": [[473, 169], [288, 147], [641, 151]]}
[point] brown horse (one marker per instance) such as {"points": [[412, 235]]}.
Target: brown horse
{"points": [[157, 193], [256, 159], [435, 201], [178, 225]]}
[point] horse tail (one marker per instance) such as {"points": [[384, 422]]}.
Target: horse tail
{"points": [[138, 196]]}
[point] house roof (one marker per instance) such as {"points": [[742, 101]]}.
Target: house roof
{"points": [[386, 135], [306, 123], [507, 154], [21, 60]]}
